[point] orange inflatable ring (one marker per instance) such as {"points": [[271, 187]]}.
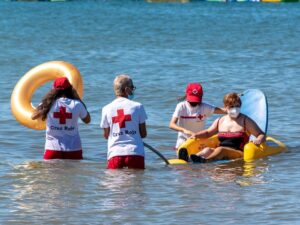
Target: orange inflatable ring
{"points": [[21, 105]]}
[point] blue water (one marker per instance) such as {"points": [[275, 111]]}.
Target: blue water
{"points": [[226, 47]]}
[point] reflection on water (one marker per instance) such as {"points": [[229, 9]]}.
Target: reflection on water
{"points": [[124, 189], [236, 171], [163, 46], [67, 189], [47, 186], [168, 1], [54, 188]]}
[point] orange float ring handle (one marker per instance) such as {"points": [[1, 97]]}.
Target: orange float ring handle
{"points": [[21, 104]]}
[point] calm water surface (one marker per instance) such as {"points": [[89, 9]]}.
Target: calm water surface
{"points": [[227, 47]]}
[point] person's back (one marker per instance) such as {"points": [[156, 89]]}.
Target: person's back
{"points": [[123, 122], [123, 116], [62, 107], [62, 125]]}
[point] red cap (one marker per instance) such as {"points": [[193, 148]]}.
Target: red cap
{"points": [[194, 92], [61, 83]]}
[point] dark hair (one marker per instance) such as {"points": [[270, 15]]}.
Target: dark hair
{"points": [[181, 98], [48, 100]]}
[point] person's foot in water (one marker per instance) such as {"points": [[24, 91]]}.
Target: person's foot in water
{"points": [[197, 159]]}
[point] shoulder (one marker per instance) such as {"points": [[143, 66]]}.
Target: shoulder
{"points": [[206, 105], [181, 105], [221, 119], [108, 106], [77, 103], [115, 102], [135, 104], [71, 103], [246, 118]]}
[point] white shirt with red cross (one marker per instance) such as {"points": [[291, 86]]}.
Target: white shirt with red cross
{"points": [[62, 125], [123, 117], [191, 118]]}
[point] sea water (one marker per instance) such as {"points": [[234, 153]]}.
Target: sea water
{"points": [[163, 46]]}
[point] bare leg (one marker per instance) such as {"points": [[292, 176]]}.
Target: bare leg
{"points": [[205, 152], [216, 154], [200, 157], [219, 153]]}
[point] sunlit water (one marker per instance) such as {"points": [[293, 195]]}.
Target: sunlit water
{"points": [[227, 47]]}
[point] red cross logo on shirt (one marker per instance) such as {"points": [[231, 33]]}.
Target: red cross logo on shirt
{"points": [[121, 118], [200, 117], [62, 115]]}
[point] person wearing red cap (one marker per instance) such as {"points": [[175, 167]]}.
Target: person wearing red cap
{"points": [[190, 115], [62, 107]]}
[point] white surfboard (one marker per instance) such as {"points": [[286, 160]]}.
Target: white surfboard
{"points": [[255, 105]]}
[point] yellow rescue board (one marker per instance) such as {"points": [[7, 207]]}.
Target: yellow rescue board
{"points": [[251, 151], [271, 147]]}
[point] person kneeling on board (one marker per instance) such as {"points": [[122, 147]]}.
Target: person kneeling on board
{"points": [[233, 132], [124, 125], [62, 107]]}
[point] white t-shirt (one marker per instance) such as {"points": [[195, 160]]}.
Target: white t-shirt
{"points": [[191, 118], [62, 125], [123, 117]]}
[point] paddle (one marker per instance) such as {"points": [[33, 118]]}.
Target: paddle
{"points": [[171, 161]]}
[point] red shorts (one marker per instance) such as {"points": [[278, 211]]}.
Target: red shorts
{"points": [[130, 161], [51, 154]]}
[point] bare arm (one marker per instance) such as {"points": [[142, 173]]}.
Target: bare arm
{"points": [[220, 111], [143, 130], [173, 125], [77, 97], [254, 129], [213, 129], [87, 119], [106, 132]]}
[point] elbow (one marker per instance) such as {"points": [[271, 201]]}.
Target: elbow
{"points": [[106, 132], [143, 135], [87, 119], [143, 130]]}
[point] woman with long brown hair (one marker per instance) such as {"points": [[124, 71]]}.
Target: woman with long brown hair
{"points": [[61, 107]]}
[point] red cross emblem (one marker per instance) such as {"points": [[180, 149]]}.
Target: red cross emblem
{"points": [[200, 117], [62, 115], [121, 118]]}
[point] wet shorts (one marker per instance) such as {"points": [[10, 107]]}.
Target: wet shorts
{"points": [[130, 161], [50, 154]]}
